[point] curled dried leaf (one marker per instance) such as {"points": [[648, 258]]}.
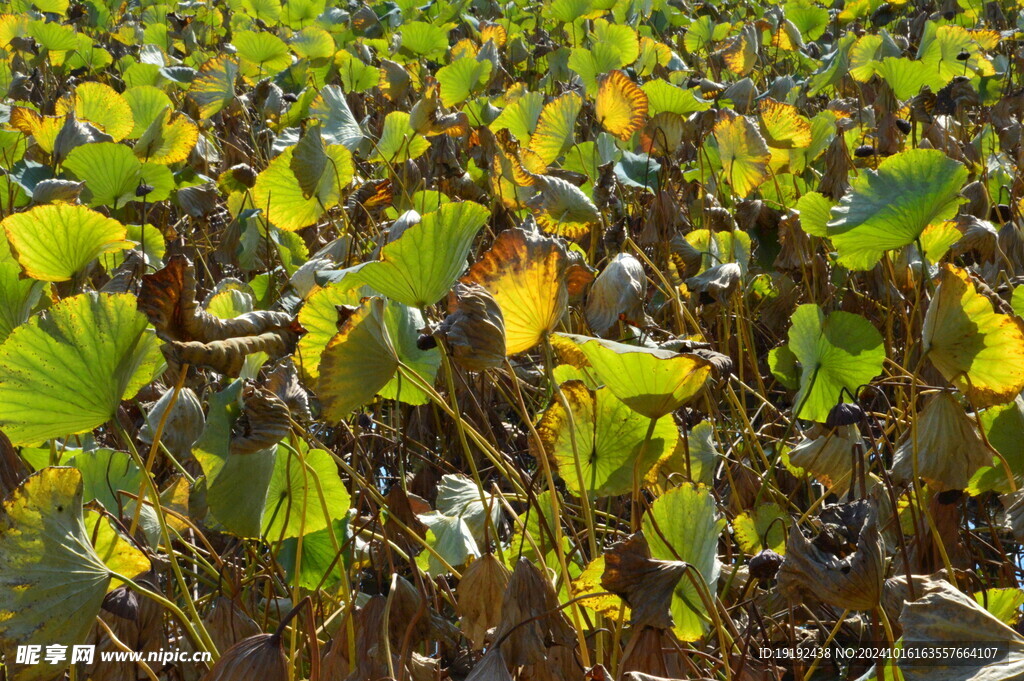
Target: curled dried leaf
{"points": [[263, 423], [844, 566], [227, 356], [618, 292], [185, 422], [168, 298], [950, 448], [260, 656], [644, 583], [474, 328], [530, 617], [479, 598]]}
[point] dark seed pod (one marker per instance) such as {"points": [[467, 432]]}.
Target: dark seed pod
{"points": [[844, 414], [1001, 214], [425, 342], [964, 55], [364, 421], [143, 189], [904, 126], [765, 565], [864, 151], [244, 174]]}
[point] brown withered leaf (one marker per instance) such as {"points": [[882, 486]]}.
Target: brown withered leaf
{"points": [[619, 291], [949, 447], [491, 667], [849, 571], [479, 596], [719, 282], [474, 329], [530, 617], [168, 298], [257, 657], [228, 624], [263, 423], [947, 616], [644, 583], [227, 356], [283, 381]]}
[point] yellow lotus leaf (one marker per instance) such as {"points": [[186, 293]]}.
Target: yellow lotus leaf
{"points": [[621, 105], [743, 152], [978, 350], [102, 106], [556, 127], [783, 125], [653, 382], [493, 32], [530, 277], [43, 129]]}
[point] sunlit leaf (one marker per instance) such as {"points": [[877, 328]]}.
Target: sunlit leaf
{"points": [[53, 581], [890, 207], [608, 438], [55, 242], [974, 347], [621, 105], [66, 371], [836, 352], [653, 382]]}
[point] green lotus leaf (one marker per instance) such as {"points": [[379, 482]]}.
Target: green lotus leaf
{"points": [[313, 43], [652, 382], [398, 141], [461, 78], [842, 350], [236, 486], [52, 582], [890, 207], [521, 116], [683, 525], [424, 39], [663, 96], [214, 87], [356, 75], [100, 105], [105, 473], [337, 124], [112, 174], [608, 438], [279, 194], [17, 297], [66, 371], [359, 361], [265, 53], [762, 528], [421, 265], [304, 494], [146, 103], [55, 242]]}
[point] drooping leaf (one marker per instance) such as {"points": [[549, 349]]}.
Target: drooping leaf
{"points": [[977, 349], [683, 525]]}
